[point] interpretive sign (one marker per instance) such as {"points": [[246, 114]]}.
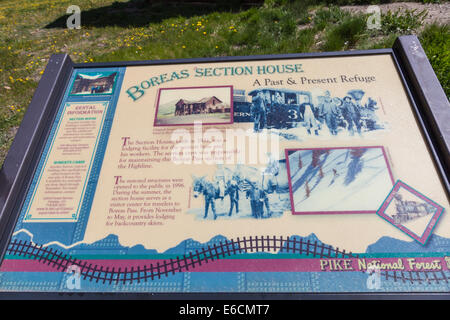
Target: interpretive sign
{"points": [[306, 173]]}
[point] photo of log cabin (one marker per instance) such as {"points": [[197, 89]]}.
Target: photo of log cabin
{"points": [[94, 83], [206, 105], [184, 106]]}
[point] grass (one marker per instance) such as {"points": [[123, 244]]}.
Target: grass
{"points": [[30, 31], [435, 40], [346, 34]]}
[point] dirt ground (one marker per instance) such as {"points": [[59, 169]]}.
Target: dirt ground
{"points": [[437, 12]]}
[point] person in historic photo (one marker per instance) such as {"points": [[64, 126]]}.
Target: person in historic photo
{"points": [[233, 191], [368, 112], [255, 114], [307, 110], [263, 111], [251, 194], [265, 201], [210, 193], [220, 184], [259, 112], [352, 115], [257, 199], [329, 111], [276, 117]]}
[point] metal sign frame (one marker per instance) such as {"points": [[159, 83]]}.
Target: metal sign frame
{"points": [[429, 102]]}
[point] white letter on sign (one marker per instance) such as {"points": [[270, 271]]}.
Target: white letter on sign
{"points": [[73, 281], [74, 21], [374, 20]]}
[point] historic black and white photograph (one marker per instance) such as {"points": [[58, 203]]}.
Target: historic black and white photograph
{"points": [[94, 83], [242, 191], [299, 114], [338, 180], [409, 210], [184, 106]]}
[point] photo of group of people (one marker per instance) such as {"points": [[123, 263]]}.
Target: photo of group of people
{"points": [[243, 192], [320, 114]]}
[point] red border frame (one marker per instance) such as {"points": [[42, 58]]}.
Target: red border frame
{"points": [[286, 151], [191, 124]]}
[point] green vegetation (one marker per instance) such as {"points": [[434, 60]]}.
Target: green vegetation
{"points": [[346, 34], [402, 22], [30, 31], [435, 40]]}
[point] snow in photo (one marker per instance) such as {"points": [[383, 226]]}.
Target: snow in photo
{"points": [[338, 180]]}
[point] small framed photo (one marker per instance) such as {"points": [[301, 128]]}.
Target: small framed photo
{"points": [[93, 83], [186, 105], [411, 212]]}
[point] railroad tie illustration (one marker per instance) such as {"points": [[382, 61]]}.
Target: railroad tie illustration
{"points": [[187, 262]]}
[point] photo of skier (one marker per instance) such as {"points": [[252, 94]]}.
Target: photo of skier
{"points": [[338, 180]]}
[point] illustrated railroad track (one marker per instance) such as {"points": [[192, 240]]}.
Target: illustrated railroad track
{"points": [[208, 254], [412, 277]]}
